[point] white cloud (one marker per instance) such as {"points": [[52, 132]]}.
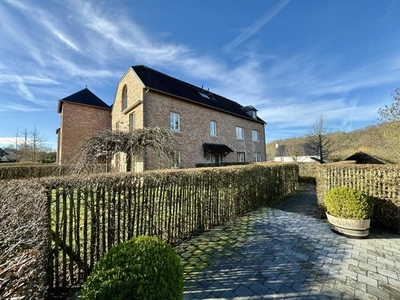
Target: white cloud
{"points": [[256, 26]]}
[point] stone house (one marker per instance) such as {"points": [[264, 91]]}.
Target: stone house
{"points": [[302, 154], [208, 128], [81, 114]]}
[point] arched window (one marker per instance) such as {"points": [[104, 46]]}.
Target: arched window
{"points": [[124, 100]]}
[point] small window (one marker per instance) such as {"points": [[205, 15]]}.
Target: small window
{"points": [[176, 160], [255, 135], [132, 118], [239, 133], [124, 100], [241, 157], [256, 156], [174, 122], [213, 128], [117, 126]]}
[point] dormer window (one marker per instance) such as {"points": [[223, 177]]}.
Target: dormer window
{"points": [[251, 111]]}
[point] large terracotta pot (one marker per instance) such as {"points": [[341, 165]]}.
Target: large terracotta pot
{"points": [[348, 227]]}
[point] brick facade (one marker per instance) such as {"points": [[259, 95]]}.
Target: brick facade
{"points": [[152, 109], [77, 123]]}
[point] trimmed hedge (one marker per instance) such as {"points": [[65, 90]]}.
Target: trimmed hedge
{"points": [[20, 171], [141, 268]]}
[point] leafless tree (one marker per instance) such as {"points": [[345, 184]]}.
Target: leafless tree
{"points": [[108, 143], [294, 150], [318, 140], [390, 116]]}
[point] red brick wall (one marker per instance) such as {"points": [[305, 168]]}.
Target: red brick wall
{"points": [[77, 123]]}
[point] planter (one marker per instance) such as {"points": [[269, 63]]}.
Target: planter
{"points": [[348, 227]]}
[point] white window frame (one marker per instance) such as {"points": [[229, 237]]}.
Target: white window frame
{"points": [[175, 122], [256, 156], [213, 128], [239, 133], [255, 135], [241, 157]]}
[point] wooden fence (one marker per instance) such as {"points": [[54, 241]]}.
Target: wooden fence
{"points": [[382, 182], [91, 215]]}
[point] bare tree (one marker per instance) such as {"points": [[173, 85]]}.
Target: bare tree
{"points": [[37, 143], [390, 116], [108, 143], [318, 139], [294, 150]]}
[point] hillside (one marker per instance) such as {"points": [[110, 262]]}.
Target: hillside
{"points": [[368, 139]]}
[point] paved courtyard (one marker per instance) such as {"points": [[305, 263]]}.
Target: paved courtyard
{"points": [[286, 252]]}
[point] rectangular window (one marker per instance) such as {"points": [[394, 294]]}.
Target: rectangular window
{"points": [[255, 135], [174, 122], [176, 160], [117, 126], [213, 128], [132, 122], [241, 157], [239, 133], [256, 156]]}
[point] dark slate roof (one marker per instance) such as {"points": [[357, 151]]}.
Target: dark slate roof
{"points": [[161, 82], [281, 149], [85, 97], [364, 158]]}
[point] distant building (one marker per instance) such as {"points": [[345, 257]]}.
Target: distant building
{"points": [[8, 155], [302, 153], [363, 158], [81, 114]]}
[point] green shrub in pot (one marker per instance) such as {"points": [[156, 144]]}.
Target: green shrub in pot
{"points": [[349, 203]]}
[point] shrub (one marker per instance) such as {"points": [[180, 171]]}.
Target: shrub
{"points": [[349, 203], [141, 268]]}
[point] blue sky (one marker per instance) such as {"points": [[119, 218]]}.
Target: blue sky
{"points": [[292, 60]]}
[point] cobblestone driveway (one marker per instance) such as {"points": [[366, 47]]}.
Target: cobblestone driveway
{"points": [[285, 252]]}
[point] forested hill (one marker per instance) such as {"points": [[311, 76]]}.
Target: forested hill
{"points": [[370, 140]]}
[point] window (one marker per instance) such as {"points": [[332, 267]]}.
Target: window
{"points": [[124, 100], [256, 156], [240, 133], [176, 160], [132, 122], [174, 122], [213, 128], [241, 157], [255, 135], [117, 126]]}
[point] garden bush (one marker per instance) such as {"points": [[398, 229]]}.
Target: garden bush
{"points": [[141, 268], [349, 203]]}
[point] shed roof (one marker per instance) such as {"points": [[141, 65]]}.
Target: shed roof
{"points": [[85, 97], [163, 83]]}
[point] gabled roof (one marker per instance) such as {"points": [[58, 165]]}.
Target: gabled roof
{"points": [[305, 149], [364, 158], [85, 97], [163, 83]]}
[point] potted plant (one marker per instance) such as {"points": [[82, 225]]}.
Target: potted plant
{"points": [[349, 211]]}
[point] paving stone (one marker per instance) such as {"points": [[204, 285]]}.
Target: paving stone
{"points": [[284, 253], [377, 292]]}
